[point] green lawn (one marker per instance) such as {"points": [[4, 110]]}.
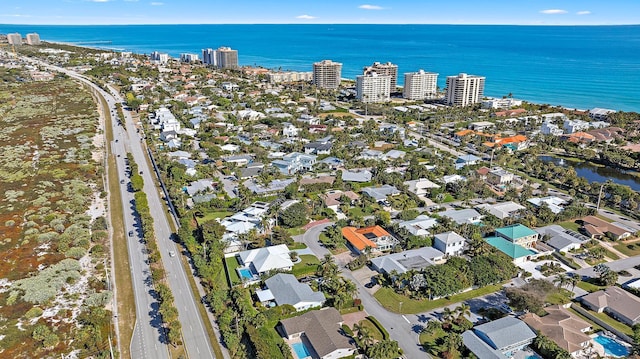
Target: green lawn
{"points": [[391, 300], [589, 287], [231, 264], [295, 231], [562, 296], [297, 246], [629, 249], [429, 340], [572, 225], [375, 332], [307, 266], [214, 215], [610, 254], [612, 322]]}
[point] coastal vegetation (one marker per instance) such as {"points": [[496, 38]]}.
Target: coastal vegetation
{"points": [[54, 295]]}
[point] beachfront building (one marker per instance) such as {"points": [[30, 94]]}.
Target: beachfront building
{"points": [[14, 39], [159, 57], [464, 90], [386, 69], [420, 85], [289, 76], [498, 103], [226, 58], [327, 74], [373, 88], [33, 39], [209, 57]]}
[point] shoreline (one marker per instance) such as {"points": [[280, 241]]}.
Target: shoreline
{"points": [[113, 49]]}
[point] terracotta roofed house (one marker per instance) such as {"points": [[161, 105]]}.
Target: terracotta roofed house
{"points": [[374, 237]]}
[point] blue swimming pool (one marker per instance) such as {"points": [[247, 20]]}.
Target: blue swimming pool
{"points": [[301, 350], [611, 346], [245, 273]]}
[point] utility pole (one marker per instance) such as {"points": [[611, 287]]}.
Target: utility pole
{"points": [[599, 197]]}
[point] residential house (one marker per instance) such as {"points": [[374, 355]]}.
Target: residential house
{"points": [[555, 204], [597, 228], [242, 222], [402, 262], [616, 301], [449, 243], [516, 252], [381, 193], [375, 238], [252, 170], [549, 128], [420, 187], [419, 226], [564, 328], [198, 186], [333, 162], [294, 162], [271, 188], [394, 155], [370, 154], [453, 178], [519, 234], [321, 179], [571, 126], [289, 130], [262, 260], [322, 330], [499, 177], [498, 339], [238, 160], [332, 198], [502, 210], [462, 216], [561, 239], [318, 148], [361, 176], [466, 160], [284, 288]]}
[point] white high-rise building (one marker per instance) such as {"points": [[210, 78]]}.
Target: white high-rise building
{"points": [[464, 90], [209, 57], [327, 74], [33, 39], [14, 39], [420, 85], [188, 57], [387, 69], [226, 58], [373, 88], [159, 57]]}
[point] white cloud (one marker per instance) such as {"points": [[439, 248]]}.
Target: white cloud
{"points": [[585, 12], [305, 17], [98, 0], [156, 3], [553, 11], [370, 7]]}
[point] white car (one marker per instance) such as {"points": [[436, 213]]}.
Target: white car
{"points": [[172, 254]]}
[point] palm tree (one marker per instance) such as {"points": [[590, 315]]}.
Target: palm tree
{"points": [[561, 280], [447, 315], [364, 334], [327, 267], [573, 281], [463, 310]]}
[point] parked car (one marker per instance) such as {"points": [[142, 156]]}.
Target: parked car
{"points": [[130, 233]]}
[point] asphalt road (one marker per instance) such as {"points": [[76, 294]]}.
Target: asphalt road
{"points": [[195, 336], [149, 339]]}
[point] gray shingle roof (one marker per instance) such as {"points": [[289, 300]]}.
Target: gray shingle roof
{"points": [[287, 290], [322, 329], [505, 332], [478, 347]]}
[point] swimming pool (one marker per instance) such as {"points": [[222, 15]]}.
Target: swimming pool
{"points": [[245, 273], [611, 346], [301, 350]]}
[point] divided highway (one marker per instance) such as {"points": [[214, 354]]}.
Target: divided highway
{"points": [[149, 339]]}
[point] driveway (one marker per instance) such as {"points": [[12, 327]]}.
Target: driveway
{"points": [[534, 268]]}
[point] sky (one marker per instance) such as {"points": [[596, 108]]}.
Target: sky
{"points": [[516, 12]]}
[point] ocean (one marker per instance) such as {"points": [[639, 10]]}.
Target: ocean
{"points": [[573, 66]]}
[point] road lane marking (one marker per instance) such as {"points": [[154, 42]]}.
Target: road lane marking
{"points": [[405, 318]]}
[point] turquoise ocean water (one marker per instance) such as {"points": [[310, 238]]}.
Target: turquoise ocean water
{"points": [[574, 66]]}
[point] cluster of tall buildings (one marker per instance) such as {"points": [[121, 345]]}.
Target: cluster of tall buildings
{"points": [[222, 58], [379, 80], [16, 39]]}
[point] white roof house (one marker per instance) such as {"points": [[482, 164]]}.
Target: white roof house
{"points": [[286, 289], [420, 186], [555, 204], [462, 216], [449, 243], [408, 260], [262, 260], [501, 210], [419, 226]]}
